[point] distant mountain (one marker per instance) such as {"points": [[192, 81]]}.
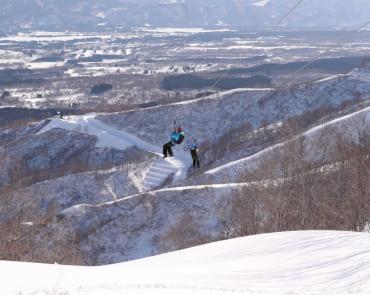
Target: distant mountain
{"points": [[88, 15]]}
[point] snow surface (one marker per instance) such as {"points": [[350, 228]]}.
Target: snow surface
{"points": [[307, 262], [51, 36], [330, 77], [108, 136], [261, 3], [192, 30]]}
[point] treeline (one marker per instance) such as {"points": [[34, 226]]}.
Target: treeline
{"points": [[188, 81], [310, 184], [340, 64], [12, 115]]}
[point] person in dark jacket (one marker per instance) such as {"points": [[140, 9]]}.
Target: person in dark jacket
{"points": [[177, 137], [194, 150]]}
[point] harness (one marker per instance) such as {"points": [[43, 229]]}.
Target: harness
{"points": [[177, 137]]}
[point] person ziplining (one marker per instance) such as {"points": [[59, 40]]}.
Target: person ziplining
{"points": [[177, 138]]}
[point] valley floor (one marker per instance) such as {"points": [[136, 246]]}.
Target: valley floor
{"points": [[306, 262]]}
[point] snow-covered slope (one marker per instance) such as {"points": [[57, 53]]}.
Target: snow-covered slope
{"points": [[142, 225], [310, 262], [94, 187], [344, 125], [155, 175]]}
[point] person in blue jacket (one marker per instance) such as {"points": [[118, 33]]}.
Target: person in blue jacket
{"points": [[177, 137], [194, 149]]}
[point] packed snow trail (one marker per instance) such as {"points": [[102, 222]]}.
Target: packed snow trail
{"points": [[161, 169], [306, 262], [107, 136]]}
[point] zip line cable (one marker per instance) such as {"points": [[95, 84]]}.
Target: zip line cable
{"points": [[271, 29]]}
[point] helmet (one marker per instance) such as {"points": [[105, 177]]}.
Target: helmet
{"points": [[179, 129]]}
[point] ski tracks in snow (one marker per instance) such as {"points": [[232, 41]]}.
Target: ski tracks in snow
{"points": [[158, 172]]}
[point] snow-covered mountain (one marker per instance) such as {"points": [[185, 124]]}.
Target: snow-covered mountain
{"points": [[119, 186], [187, 13], [167, 219], [311, 262]]}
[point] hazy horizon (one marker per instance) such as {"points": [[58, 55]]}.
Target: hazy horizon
{"points": [[254, 14]]}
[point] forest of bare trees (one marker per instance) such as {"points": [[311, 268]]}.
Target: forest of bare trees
{"points": [[319, 184]]}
